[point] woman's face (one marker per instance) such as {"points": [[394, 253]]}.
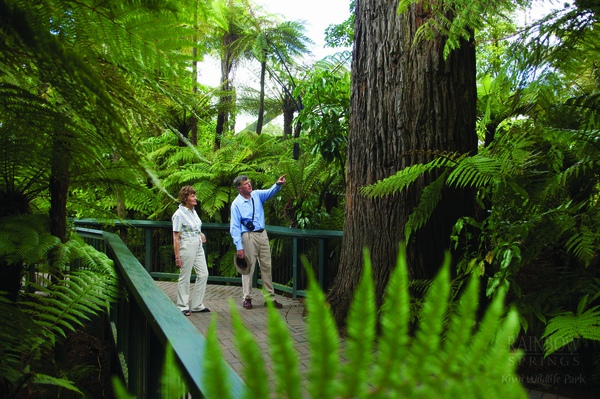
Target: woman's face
{"points": [[191, 200]]}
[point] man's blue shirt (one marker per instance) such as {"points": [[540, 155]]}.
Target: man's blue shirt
{"points": [[241, 208]]}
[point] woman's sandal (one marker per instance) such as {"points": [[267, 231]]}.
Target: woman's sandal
{"points": [[205, 310], [186, 312]]}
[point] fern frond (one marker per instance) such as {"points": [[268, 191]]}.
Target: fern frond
{"points": [[64, 306], [214, 365], [45, 379], [361, 334], [395, 317], [565, 328], [476, 171], [288, 380], [172, 385], [323, 341], [461, 327], [403, 178], [431, 196], [583, 244], [428, 337]]}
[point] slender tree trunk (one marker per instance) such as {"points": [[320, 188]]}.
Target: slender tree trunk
{"points": [[407, 103], [60, 177], [297, 130], [59, 187], [261, 102], [289, 108], [225, 98]]}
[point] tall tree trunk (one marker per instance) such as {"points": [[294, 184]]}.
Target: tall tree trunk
{"points": [[407, 102], [59, 186], [261, 102], [225, 98], [297, 130], [289, 108], [60, 177]]}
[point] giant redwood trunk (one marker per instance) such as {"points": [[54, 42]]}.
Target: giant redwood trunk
{"points": [[407, 104]]}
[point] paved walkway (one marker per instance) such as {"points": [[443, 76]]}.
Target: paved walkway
{"points": [[217, 299]]}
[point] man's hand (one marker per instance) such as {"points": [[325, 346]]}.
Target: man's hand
{"points": [[240, 253], [281, 180]]}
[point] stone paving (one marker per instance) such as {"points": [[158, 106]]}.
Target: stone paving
{"points": [[218, 299]]}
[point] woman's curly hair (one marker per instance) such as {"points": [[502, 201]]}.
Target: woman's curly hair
{"points": [[185, 192]]}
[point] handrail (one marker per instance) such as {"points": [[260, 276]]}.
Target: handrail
{"points": [[145, 322], [297, 236]]}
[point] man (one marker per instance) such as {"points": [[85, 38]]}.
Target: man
{"points": [[247, 228]]}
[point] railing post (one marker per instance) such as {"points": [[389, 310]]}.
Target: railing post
{"points": [[148, 262], [294, 267], [321, 271]]}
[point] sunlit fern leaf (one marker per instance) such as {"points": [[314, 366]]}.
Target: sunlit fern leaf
{"points": [[461, 328], [215, 376], [360, 326], [486, 329], [565, 328], [288, 380], [255, 373], [431, 196], [428, 336], [120, 389], [172, 385], [323, 341], [394, 320], [500, 360]]}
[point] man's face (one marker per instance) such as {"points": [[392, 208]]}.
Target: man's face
{"points": [[245, 188]]}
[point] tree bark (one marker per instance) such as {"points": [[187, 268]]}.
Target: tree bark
{"points": [[261, 101], [407, 103], [225, 98], [60, 178]]}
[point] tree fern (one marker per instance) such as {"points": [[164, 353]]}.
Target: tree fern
{"points": [[46, 312]]}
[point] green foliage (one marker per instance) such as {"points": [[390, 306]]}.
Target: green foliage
{"points": [[464, 358], [568, 326], [214, 365], [310, 186], [457, 19], [325, 93], [51, 307]]}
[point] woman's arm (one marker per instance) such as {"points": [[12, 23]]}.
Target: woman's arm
{"points": [[176, 236]]}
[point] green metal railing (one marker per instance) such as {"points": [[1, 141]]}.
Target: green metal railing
{"points": [[145, 322], [152, 244]]}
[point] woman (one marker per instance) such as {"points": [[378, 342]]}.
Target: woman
{"points": [[187, 244]]}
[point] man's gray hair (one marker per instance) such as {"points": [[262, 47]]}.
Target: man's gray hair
{"points": [[239, 180]]}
